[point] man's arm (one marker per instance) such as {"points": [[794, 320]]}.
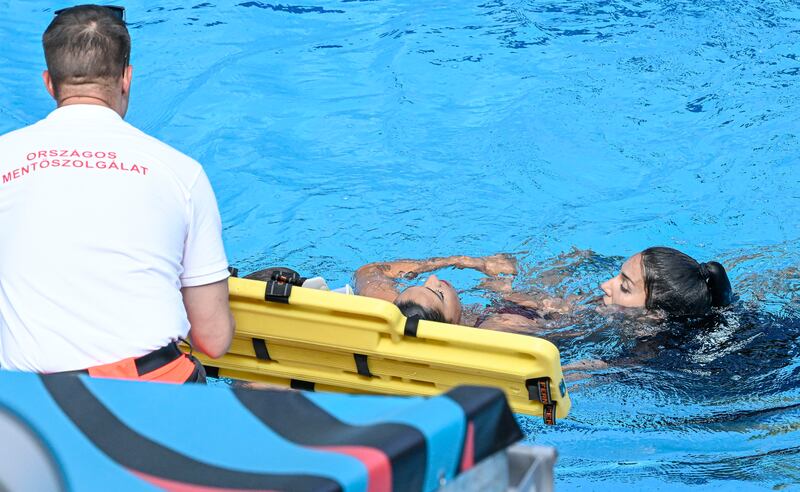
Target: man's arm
{"points": [[204, 277], [210, 317]]}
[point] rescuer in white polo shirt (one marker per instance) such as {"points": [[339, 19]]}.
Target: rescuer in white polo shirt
{"points": [[110, 241]]}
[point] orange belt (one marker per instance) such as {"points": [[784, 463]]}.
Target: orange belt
{"points": [[166, 365]]}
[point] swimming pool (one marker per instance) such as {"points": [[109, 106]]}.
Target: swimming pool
{"points": [[339, 133]]}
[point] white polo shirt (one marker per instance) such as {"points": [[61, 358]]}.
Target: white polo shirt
{"points": [[100, 227]]}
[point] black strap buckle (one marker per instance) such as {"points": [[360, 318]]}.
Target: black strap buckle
{"points": [[539, 390], [279, 287], [278, 292]]}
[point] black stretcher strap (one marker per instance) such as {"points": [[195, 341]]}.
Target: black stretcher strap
{"points": [[278, 292], [412, 324], [361, 365], [260, 347], [233, 271], [299, 384]]}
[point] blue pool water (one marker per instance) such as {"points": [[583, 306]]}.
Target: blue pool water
{"points": [[339, 133]]}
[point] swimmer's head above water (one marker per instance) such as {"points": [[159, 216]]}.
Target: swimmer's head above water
{"points": [[434, 300], [666, 280]]}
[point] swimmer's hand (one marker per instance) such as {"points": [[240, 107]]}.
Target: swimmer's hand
{"points": [[544, 303], [500, 264], [501, 285]]}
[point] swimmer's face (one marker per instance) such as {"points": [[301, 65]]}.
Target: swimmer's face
{"points": [[436, 294], [626, 289]]}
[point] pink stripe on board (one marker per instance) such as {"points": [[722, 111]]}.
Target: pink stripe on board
{"points": [[379, 468], [468, 457], [173, 486]]}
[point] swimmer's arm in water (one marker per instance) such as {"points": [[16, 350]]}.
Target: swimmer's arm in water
{"points": [[540, 301], [380, 279]]}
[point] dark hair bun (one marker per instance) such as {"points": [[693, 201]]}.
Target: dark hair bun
{"points": [[718, 283]]}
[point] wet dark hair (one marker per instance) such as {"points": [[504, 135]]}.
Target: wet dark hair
{"points": [[86, 44], [412, 309], [678, 285]]}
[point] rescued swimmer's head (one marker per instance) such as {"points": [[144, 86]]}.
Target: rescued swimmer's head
{"points": [[434, 300], [669, 281]]}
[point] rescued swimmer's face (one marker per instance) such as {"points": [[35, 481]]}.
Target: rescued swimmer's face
{"points": [[627, 289], [435, 294]]}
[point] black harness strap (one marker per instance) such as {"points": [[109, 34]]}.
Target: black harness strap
{"points": [[260, 347], [157, 359], [361, 365], [148, 362]]}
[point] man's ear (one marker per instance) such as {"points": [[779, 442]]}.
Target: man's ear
{"points": [[127, 77], [48, 84]]}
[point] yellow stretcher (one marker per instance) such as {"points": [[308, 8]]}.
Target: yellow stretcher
{"points": [[327, 341]]}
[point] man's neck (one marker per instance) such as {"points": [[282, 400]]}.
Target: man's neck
{"points": [[77, 99], [109, 93]]}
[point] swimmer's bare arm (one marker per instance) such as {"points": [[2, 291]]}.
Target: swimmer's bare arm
{"points": [[541, 301], [536, 299], [380, 279]]}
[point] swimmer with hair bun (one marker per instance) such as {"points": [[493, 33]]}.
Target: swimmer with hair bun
{"points": [[666, 280], [662, 281]]}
